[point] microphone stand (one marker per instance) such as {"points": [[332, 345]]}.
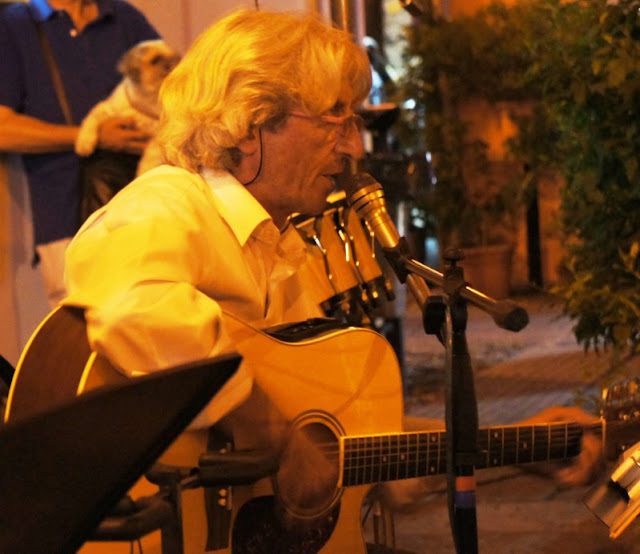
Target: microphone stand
{"points": [[446, 317], [461, 409]]}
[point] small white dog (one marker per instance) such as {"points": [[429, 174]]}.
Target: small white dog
{"points": [[143, 67]]}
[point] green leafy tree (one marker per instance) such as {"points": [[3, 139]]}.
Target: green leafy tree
{"points": [[587, 67], [579, 62]]}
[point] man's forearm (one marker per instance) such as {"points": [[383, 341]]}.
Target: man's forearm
{"points": [[25, 134]]}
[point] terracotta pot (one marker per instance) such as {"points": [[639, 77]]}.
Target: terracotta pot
{"points": [[488, 269]]}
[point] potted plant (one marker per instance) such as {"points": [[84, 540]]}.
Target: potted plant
{"points": [[577, 62], [458, 72], [478, 210]]}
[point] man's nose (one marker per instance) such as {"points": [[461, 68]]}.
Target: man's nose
{"points": [[350, 143]]}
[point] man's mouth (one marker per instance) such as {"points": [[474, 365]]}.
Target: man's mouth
{"points": [[331, 179]]}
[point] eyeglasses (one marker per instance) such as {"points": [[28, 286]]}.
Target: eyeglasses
{"points": [[343, 123]]}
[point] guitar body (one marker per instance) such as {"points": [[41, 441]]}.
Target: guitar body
{"points": [[344, 382], [343, 386], [341, 382]]}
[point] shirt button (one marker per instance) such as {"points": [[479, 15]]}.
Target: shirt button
{"points": [[73, 32]]}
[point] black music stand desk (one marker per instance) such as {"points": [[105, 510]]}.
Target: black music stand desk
{"points": [[62, 470]]}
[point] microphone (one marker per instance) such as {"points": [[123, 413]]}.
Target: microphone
{"points": [[366, 196]]}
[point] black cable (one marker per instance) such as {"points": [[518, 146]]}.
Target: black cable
{"points": [[260, 166]]}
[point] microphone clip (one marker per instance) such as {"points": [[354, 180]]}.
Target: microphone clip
{"points": [[396, 257]]}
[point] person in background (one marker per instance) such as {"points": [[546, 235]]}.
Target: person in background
{"points": [[86, 37], [257, 122]]}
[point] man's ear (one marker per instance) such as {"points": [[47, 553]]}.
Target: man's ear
{"points": [[249, 145]]}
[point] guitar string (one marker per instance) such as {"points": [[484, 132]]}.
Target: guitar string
{"points": [[401, 456], [570, 429], [362, 461], [403, 459], [560, 436], [560, 440], [538, 433]]}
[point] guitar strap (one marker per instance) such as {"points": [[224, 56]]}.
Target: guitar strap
{"points": [[47, 53]]}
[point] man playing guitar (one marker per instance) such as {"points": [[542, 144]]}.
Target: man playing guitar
{"points": [[193, 258]]}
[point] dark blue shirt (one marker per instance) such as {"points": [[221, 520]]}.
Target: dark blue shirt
{"points": [[87, 62]]}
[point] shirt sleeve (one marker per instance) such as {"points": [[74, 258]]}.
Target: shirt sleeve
{"points": [[135, 268]]}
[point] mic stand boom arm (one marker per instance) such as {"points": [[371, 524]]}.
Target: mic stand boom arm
{"points": [[506, 314], [366, 196]]}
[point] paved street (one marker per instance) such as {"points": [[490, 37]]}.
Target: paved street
{"points": [[516, 375]]}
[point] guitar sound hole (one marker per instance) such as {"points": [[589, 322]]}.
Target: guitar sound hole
{"points": [[307, 482]]}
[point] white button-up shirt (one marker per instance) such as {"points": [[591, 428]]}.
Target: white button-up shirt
{"points": [[156, 268]]}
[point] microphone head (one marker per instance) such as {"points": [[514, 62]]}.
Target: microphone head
{"points": [[358, 181]]}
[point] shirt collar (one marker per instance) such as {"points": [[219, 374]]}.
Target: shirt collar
{"points": [[42, 10], [240, 209]]}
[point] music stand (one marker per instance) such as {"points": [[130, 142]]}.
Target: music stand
{"points": [[62, 470]]}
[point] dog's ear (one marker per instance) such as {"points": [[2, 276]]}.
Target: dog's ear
{"points": [[129, 64]]}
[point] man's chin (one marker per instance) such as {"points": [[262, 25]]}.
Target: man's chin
{"points": [[317, 207]]}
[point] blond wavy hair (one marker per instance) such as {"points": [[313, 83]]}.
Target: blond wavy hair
{"points": [[248, 70]]}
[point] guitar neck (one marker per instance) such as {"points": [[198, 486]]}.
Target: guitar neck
{"points": [[374, 458]]}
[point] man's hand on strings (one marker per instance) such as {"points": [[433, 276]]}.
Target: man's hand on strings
{"points": [[583, 469]]}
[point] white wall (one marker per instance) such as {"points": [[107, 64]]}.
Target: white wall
{"points": [[22, 300], [180, 21]]}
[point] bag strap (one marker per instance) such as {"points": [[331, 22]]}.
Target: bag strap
{"points": [[47, 52]]}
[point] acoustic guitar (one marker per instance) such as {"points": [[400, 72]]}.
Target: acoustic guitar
{"points": [[342, 386]]}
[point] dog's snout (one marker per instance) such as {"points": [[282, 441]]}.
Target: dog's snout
{"points": [[171, 63], [168, 62]]}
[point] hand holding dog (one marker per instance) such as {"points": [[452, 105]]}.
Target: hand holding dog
{"points": [[128, 117], [120, 134]]}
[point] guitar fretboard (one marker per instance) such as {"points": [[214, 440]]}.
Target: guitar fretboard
{"points": [[375, 458]]}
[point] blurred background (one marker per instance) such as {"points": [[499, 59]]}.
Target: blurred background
{"points": [[507, 129]]}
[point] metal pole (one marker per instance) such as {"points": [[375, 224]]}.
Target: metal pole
{"points": [[349, 15]]}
